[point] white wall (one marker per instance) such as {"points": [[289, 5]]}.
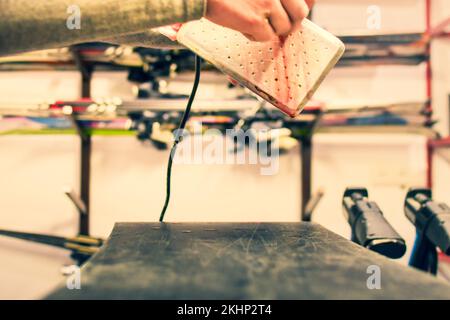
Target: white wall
{"points": [[374, 85], [38, 86], [350, 16]]}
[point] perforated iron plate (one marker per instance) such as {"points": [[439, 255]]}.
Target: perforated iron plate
{"points": [[285, 72]]}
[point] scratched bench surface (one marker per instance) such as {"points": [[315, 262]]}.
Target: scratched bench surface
{"points": [[242, 261]]}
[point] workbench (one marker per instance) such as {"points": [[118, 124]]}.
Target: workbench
{"points": [[242, 261]]}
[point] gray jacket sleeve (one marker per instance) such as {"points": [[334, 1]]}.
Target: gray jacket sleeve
{"points": [[27, 25], [148, 39]]}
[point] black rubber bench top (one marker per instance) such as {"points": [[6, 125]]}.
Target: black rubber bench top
{"points": [[242, 261]]}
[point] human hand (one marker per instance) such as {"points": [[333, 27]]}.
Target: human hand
{"points": [[259, 20]]}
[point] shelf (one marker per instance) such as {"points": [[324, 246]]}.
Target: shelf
{"points": [[377, 130], [111, 115], [369, 49], [440, 143], [441, 29], [377, 49]]}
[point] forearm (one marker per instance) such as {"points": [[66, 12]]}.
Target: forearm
{"points": [[33, 25]]}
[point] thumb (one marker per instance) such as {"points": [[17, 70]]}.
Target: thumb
{"points": [[170, 31]]}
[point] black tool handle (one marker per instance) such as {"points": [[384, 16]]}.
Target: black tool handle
{"points": [[373, 231], [370, 228]]}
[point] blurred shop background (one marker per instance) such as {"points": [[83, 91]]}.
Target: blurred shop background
{"points": [[392, 91]]}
